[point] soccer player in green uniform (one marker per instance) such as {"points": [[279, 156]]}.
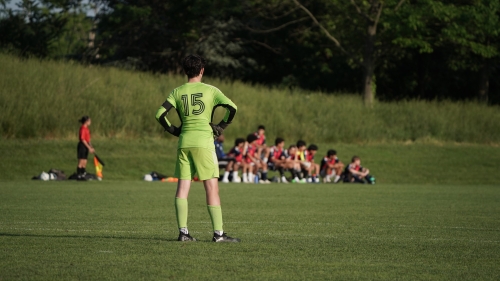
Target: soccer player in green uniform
{"points": [[195, 103]]}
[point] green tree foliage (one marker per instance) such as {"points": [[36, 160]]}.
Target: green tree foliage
{"points": [[49, 28], [156, 35], [473, 36], [383, 49], [31, 29]]}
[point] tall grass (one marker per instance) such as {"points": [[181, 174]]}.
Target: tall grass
{"points": [[46, 98]]}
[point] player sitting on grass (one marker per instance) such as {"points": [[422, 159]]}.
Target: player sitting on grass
{"points": [[253, 162], [262, 148], [355, 173], [277, 159], [331, 167], [305, 166], [313, 167], [222, 157], [292, 161], [195, 102], [237, 153]]}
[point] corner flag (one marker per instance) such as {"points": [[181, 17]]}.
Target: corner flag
{"points": [[98, 166]]}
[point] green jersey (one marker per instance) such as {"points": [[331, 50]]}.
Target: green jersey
{"points": [[195, 103]]}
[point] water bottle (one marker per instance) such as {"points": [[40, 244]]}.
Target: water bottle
{"points": [[256, 178]]}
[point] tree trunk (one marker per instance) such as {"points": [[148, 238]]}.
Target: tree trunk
{"points": [[369, 65], [484, 83], [368, 85]]}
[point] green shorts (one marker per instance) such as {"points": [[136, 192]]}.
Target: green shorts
{"points": [[196, 160]]}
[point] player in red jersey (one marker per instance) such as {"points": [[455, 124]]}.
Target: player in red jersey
{"points": [[276, 159], [262, 148], [253, 162], [237, 153], [84, 146], [280, 159], [331, 167], [357, 173], [313, 168]]}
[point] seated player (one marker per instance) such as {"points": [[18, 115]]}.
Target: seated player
{"points": [[277, 160], [331, 167], [313, 169], [262, 148], [305, 166], [222, 157], [355, 173], [293, 164], [237, 153], [253, 162]]}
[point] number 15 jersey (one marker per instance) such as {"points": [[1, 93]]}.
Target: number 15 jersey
{"points": [[195, 104]]}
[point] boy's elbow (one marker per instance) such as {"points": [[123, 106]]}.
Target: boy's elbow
{"points": [[159, 113]]}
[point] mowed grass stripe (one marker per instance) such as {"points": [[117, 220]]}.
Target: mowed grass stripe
{"points": [[127, 231]]}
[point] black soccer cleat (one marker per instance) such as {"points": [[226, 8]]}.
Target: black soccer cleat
{"points": [[185, 237], [224, 238]]}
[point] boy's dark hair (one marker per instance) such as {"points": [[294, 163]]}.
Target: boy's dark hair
{"points": [[301, 143], [238, 141], [278, 141], [192, 65], [261, 127], [84, 119], [331, 152], [354, 158], [251, 138], [312, 147], [292, 146]]}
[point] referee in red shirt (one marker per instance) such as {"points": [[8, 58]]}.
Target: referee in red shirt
{"points": [[84, 146]]}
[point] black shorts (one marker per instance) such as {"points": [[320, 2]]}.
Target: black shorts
{"points": [[82, 151]]}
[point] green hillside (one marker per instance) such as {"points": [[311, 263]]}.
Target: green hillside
{"points": [[44, 99]]}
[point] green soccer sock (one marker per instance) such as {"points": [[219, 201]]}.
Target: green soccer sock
{"points": [[216, 217], [181, 211]]}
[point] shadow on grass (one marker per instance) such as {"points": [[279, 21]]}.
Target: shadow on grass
{"points": [[90, 237]]}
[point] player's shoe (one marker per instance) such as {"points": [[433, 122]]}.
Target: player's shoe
{"points": [[185, 237], [303, 181], [309, 180], [224, 238], [237, 180], [316, 179], [225, 180], [372, 180], [283, 179], [264, 182]]}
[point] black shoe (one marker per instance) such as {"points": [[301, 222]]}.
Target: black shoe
{"points": [[224, 238], [185, 237]]}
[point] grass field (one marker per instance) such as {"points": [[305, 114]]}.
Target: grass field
{"points": [[130, 159], [126, 230], [433, 215]]}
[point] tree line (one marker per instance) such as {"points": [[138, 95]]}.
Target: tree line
{"points": [[381, 49]]}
